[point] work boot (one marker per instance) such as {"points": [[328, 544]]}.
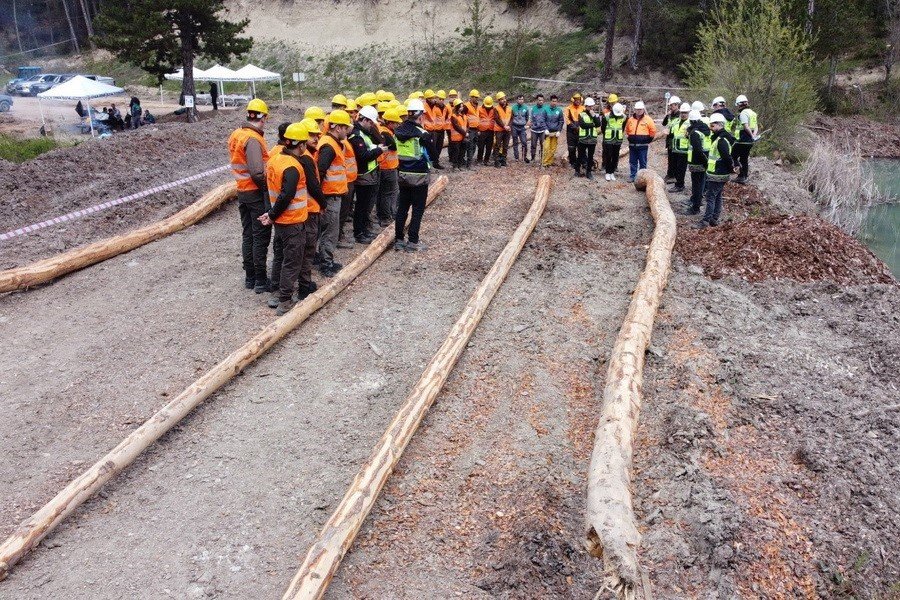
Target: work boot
{"points": [[285, 307], [417, 247], [690, 211], [386, 222], [676, 189], [669, 179], [577, 172], [273, 300], [249, 281], [346, 244], [702, 224], [262, 286], [589, 175], [308, 288], [399, 245]]}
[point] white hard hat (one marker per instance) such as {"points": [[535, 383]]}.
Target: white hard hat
{"points": [[370, 113], [685, 107], [589, 101], [718, 100], [414, 105], [674, 100], [618, 109], [639, 105], [741, 98], [694, 115], [717, 118], [697, 105]]}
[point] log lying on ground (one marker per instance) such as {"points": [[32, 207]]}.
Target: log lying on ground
{"points": [[79, 258], [337, 535], [34, 529], [612, 532]]}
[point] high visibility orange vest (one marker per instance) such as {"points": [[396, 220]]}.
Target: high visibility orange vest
{"points": [[505, 115], [448, 114], [387, 160], [276, 149], [433, 119], [237, 148], [350, 162], [485, 118], [471, 117], [297, 209], [459, 120], [571, 113], [335, 183], [313, 206]]}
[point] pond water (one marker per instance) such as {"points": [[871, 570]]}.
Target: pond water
{"points": [[881, 231]]}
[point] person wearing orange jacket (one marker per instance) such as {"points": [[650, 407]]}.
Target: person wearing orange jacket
{"points": [[502, 129], [571, 116], [389, 187], [486, 131], [640, 131], [249, 154], [332, 165], [472, 109], [433, 122], [458, 133]]}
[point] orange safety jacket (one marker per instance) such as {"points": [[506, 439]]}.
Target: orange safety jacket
{"points": [[434, 120], [503, 115], [350, 162], [313, 206], [276, 149], [572, 112], [387, 160], [296, 212], [237, 148], [471, 117], [485, 118], [460, 121], [448, 113], [335, 183]]}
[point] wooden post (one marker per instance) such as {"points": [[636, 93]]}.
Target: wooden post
{"points": [[337, 535], [612, 532], [78, 258], [41, 523]]}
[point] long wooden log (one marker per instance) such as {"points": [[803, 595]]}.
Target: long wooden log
{"points": [[612, 532], [84, 256], [340, 530], [35, 528]]}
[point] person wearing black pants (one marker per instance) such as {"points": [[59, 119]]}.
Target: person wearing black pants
{"points": [[588, 127], [367, 147], [741, 154], [699, 136], [414, 147], [718, 171], [680, 144]]}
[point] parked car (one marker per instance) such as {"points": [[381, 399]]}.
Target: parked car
{"points": [[6, 103], [22, 74], [101, 79], [40, 83]]}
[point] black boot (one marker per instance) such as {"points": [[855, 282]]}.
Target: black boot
{"points": [[262, 285], [249, 280]]}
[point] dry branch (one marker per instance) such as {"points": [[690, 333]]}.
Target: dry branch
{"points": [[337, 535], [612, 532], [34, 529], [78, 258]]}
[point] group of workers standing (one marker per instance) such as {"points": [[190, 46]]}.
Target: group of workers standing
{"points": [[375, 154]]}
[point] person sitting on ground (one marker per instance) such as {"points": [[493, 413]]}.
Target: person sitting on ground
{"points": [[148, 118]]}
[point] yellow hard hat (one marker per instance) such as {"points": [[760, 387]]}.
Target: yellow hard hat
{"points": [[393, 115], [392, 103], [442, 94], [311, 125], [474, 94], [390, 96], [488, 102], [419, 95], [258, 106], [296, 132], [500, 96], [340, 117], [457, 102], [383, 96], [351, 105], [612, 98], [453, 93], [339, 99], [367, 99], [314, 112], [429, 93], [382, 106], [576, 95]]}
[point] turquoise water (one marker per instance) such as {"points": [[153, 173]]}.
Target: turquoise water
{"points": [[881, 231]]}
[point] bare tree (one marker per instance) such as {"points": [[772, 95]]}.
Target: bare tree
{"points": [[71, 26], [636, 46], [610, 39], [16, 22], [892, 48], [87, 23]]}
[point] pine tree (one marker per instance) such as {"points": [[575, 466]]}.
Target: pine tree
{"points": [[161, 35]]}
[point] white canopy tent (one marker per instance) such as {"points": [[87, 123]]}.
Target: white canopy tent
{"points": [[252, 73], [79, 88], [179, 76]]}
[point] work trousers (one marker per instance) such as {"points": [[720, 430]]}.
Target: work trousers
{"points": [[678, 161], [611, 157], [572, 146], [741, 154], [438, 146], [670, 166], [456, 152], [366, 195], [388, 188], [485, 146], [347, 203], [537, 141], [471, 147], [519, 139], [637, 158], [255, 236], [698, 187], [713, 201], [501, 146], [329, 227], [586, 157], [410, 197], [288, 251], [550, 145]]}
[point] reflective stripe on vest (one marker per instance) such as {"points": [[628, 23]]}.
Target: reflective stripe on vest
{"points": [[411, 150], [706, 143], [335, 183], [738, 127], [587, 130], [350, 162], [714, 157], [296, 212], [237, 149], [387, 160], [680, 141], [370, 175], [615, 129], [674, 124]]}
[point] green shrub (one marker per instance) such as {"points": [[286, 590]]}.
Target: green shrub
{"points": [[19, 150]]}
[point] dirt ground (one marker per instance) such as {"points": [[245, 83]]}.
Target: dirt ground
{"points": [[765, 466]]}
